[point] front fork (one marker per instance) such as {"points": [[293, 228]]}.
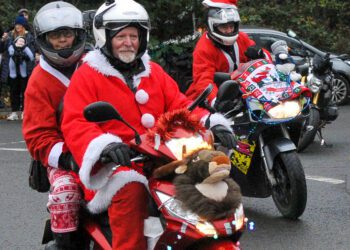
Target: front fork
{"points": [[268, 169], [269, 173]]}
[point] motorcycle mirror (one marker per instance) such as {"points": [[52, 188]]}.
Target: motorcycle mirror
{"points": [[343, 56], [201, 98], [292, 34], [101, 112], [104, 111], [220, 77], [228, 90], [302, 69]]}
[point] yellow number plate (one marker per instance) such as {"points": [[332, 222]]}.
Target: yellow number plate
{"points": [[241, 159]]}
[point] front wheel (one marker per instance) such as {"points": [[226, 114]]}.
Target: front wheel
{"points": [[340, 90], [290, 192]]}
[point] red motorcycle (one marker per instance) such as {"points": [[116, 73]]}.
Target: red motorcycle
{"points": [[174, 225]]}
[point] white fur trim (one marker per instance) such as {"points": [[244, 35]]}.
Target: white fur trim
{"points": [[231, 64], [52, 71], [217, 119], [54, 155], [96, 60], [209, 3], [213, 102], [235, 46], [147, 120], [141, 96], [104, 195], [91, 156]]}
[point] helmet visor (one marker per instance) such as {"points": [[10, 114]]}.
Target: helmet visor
{"points": [[122, 24], [227, 29], [221, 16]]}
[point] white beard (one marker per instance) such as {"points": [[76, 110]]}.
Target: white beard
{"points": [[127, 57]]}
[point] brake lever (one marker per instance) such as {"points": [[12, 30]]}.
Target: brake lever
{"points": [[138, 158]]}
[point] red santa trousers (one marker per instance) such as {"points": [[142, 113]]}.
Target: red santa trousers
{"points": [[127, 213], [64, 201]]}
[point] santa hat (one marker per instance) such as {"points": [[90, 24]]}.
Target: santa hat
{"points": [[223, 4]]}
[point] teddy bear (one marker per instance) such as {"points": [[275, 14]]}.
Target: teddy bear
{"points": [[283, 61], [203, 185]]}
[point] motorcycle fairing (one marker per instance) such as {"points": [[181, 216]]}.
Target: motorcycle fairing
{"points": [[276, 146], [264, 87]]}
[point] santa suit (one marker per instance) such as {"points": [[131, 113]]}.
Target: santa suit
{"points": [[121, 191], [41, 132], [208, 59]]}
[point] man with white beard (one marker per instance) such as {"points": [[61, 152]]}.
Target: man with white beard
{"points": [[120, 72]]}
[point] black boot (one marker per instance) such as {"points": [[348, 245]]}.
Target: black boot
{"points": [[64, 241]]}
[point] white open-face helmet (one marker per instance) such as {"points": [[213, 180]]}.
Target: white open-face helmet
{"points": [[55, 16], [220, 16], [113, 16]]}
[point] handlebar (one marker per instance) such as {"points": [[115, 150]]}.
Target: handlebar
{"points": [[138, 158], [201, 97]]}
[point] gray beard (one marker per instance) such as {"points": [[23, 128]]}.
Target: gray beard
{"points": [[127, 57]]}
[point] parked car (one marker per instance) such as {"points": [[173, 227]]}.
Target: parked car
{"points": [[341, 66]]}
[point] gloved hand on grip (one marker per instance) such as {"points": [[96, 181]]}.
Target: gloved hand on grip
{"points": [[116, 152], [225, 136], [67, 162], [254, 52]]}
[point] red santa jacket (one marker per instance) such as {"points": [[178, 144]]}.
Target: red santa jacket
{"points": [[97, 80], [45, 90], [208, 59]]}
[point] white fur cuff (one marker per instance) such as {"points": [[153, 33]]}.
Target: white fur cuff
{"points": [[104, 196], [91, 156]]}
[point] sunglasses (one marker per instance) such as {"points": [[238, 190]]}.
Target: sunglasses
{"points": [[67, 33]]}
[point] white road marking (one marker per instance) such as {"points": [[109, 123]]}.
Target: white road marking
{"points": [[13, 142], [324, 179], [14, 149], [308, 177]]}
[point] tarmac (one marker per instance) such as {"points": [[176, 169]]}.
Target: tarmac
{"points": [[4, 112]]}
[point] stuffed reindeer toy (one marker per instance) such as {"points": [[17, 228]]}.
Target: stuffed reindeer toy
{"points": [[203, 184]]}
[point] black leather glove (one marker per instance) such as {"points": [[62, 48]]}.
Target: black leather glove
{"points": [[116, 152], [67, 162], [254, 52], [224, 135]]}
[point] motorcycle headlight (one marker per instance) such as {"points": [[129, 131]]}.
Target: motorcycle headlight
{"points": [[176, 209], [206, 228], [286, 109], [314, 84], [190, 144]]}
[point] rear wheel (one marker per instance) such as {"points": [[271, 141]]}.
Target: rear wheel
{"points": [[290, 192], [309, 130]]}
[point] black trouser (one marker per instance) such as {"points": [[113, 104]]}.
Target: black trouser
{"points": [[17, 87]]}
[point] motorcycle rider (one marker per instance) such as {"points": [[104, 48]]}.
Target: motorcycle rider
{"points": [[222, 48], [59, 33], [120, 72]]}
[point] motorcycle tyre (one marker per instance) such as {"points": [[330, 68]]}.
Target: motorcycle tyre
{"points": [[288, 167], [343, 86], [307, 137]]}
